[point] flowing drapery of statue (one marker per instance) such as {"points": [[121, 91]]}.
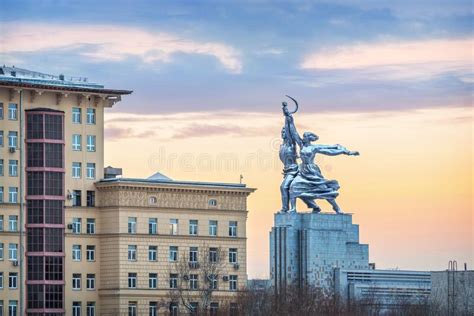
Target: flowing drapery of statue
{"points": [[305, 181]]}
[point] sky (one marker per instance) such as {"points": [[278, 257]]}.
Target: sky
{"points": [[391, 79]]}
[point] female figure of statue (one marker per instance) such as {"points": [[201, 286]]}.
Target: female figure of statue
{"points": [[310, 184]]}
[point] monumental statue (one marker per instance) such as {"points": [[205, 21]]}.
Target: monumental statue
{"points": [[305, 181]]}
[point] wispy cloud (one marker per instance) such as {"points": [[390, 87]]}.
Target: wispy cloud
{"points": [[112, 43], [397, 60]]}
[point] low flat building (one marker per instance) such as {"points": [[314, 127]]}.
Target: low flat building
{"points": [[384, 288], [453, 291]]}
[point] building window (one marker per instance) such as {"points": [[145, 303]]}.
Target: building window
{"points": [[76, 252], [76, 281], [90, 308], [1, 138], [152, 226], [173, 281], [132, 252], [233, 309], [90, 198], [132, 309], [90, 226], [90, 253], [1, 250], [76, 142], [193, 227], [13, 223], [153, 280], [90, 116], [76, 225], [173, 226], [213, 309], [132, 280], [1, 200], [152, 200], [13, 194], [233, 229], [90, 170], [13, 111], [213, 281], [90, 281], [193, 281], [76, 115], [1, 167], [12, 308], [13, 168], [152, 252], [1, 118], [1, 281], [233, 282], [13, 252], [91, 143], [213, 255], [173, 254], [12, 280], [76, 198], [153, 310], [12, 139], [76, 170], [132, 225], [212, 228], [76, 308], [193, 254], [1, 223], [194, 308], [174, 310], [232, 255], [212, 202]]}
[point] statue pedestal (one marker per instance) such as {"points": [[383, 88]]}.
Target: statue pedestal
{"points": [[306, 247]]}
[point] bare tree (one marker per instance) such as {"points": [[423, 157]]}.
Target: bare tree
{"points": [[197, 273]]}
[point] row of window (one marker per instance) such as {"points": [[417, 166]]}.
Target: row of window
{"points": [[77, 170], [77, 252], [77, 115], [77, 280], [174, 309], [12, 223], [12, 168], [77, 308], [192, 281], [12, 195], [12, 139], [12, 308], [12, 111], [173, 227], [12, 251], [77, 142], [77, 198], [12, 280], [213, 256], [77, 225]]}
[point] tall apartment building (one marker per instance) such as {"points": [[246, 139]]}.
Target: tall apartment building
{"points": [[74, 243]]}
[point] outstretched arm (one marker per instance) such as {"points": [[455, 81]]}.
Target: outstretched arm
{"points": [[334, 150]]}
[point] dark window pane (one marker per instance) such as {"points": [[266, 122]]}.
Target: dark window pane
{"points": [[53, 238], [90, 198], [34, 126], [54, 183], [35, 211], [35, 268], [35, 183], [53, 268], [53, 212], [53, 296], [35, 296], [54, 155], [53, 126], [35, 240], [35, 155]]}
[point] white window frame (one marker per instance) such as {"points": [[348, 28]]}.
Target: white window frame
{"points": [[12, 252], [90, 226], [193, 227], [90, 309], [233, 228], [132, 225], [13, 111], [12, 307], [13, 223], [90, 282], [76, 170], [173, 254], [193, 254], [2, 250], [153, 226], [193, 281], [152, 253], [13, 194], [13, 280], [1, 280], [233, 255], [76, 252], [132, 253], [76, 281], [174, 226], [76, 115], [132, 280], [90, 253], [76, 225], [12, 168], [76, 308], [173, 281], [233, 282], [153, 280], [76, 142], [12, 139], [91, 116], [90, 169], [213, 228], [91, 143]]}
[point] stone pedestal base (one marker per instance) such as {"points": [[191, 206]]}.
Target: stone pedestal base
{"points": [[306, 247]]}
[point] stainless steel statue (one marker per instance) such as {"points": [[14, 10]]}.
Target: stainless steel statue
{"points": [[306, 180]]}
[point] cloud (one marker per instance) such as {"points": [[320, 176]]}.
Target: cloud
{"points": [[396, 60], [117, 133], [111, 43]]}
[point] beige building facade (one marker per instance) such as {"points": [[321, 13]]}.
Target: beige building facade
{"points": [[68, 241]]}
